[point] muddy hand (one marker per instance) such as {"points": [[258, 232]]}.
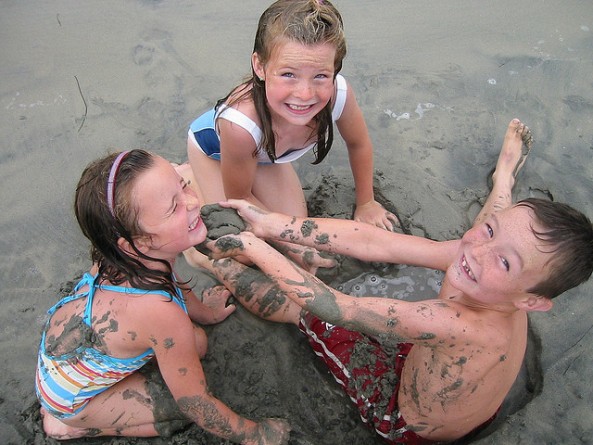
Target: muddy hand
{"points": [[274, 431], [216, 298], [253, 216]]}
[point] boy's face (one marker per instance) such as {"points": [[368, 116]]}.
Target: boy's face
{"points": [[500, 259]]}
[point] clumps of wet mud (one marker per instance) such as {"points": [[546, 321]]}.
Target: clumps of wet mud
{"points": [[334, 198], [219, 221]]}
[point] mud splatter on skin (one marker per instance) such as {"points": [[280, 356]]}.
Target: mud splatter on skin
{"points": [[415, 393], [167, 415], [243, 281], [426, 336], [445, 392], [307, 227], [93, 432], [289, 234], [205, 411], [271, 302], [169, 343], [247, 282], [76, 333], [113, 326], [140, 398], [319, 299], [322, 238], [227, 243], [365, 321], [309, 257], [132, 335], [462, 361]]}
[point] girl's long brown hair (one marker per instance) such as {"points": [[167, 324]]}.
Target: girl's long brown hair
{"points": [[309, 22]]}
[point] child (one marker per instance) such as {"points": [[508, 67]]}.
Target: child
{"points": [[434, 370], [243, 147], [129, 308]]}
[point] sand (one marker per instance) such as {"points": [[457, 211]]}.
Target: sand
{"points": [[437, 82]]}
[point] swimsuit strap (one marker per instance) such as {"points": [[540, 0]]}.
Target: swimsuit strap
{"points": [[125, 290], [341, 94], [235, 116], [87, 279]]}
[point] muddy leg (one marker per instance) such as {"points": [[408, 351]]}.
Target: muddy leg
{"points": [[515, 148]]}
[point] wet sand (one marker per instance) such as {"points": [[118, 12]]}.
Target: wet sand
{"points": [[437, 82]]}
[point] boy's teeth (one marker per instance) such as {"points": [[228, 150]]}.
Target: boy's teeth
{"points": [[467, 269]]}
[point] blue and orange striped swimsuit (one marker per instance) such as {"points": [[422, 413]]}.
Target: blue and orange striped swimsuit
{"points": [[66, 383]]}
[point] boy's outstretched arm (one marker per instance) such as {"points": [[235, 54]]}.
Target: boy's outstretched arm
{"points": [[351, 238], [426, 322]]}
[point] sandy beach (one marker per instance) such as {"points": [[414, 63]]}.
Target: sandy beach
{"points": [[438, 83]]}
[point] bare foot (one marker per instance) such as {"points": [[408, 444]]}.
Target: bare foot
{"points": [[197, 259], [515, 148], [513, 154], [56, 429]]}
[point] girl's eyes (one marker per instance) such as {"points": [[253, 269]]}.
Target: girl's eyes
{"points": [[490, 231], [317, 76], [506, 264], [184, 185]]}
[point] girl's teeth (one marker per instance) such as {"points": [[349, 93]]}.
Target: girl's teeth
{"points": [[299, 107]]}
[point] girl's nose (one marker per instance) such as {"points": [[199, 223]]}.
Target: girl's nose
{"points": [[304, 90], [191, 201]]}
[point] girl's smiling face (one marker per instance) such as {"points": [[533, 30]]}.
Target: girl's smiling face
{"points": [[168, 212], [500, 259], [299, 80]]}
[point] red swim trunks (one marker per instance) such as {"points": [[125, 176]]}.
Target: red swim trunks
{"points": [[368, 373]]}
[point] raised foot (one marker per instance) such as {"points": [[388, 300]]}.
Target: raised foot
{"points": [[516, 146]]}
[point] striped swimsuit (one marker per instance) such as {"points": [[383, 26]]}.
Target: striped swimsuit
{"points": [[66, 383]]}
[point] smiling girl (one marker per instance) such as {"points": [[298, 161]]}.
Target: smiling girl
{"points": [[244, 146], [129, 310]]}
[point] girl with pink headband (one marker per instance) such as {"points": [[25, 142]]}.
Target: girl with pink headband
{"points": [[96, 373]]}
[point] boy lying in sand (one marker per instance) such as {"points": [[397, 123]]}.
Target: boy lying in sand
{"points": [[433, 370]]}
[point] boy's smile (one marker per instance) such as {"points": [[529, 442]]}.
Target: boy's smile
{"points": [[500, 259]]}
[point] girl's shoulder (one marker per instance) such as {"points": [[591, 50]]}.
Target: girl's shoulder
{"points": [[241, 100]]}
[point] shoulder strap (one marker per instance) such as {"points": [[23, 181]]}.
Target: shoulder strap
{"points": [[341, 94], [235, 116]]}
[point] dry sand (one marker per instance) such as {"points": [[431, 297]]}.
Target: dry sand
{"points": [[438, 82]]}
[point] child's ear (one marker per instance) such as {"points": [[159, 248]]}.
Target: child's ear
{"points": [[142, 243], [535, 303], [258, 67]]}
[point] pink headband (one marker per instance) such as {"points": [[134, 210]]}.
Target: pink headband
{"points": [[111, 181]]}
